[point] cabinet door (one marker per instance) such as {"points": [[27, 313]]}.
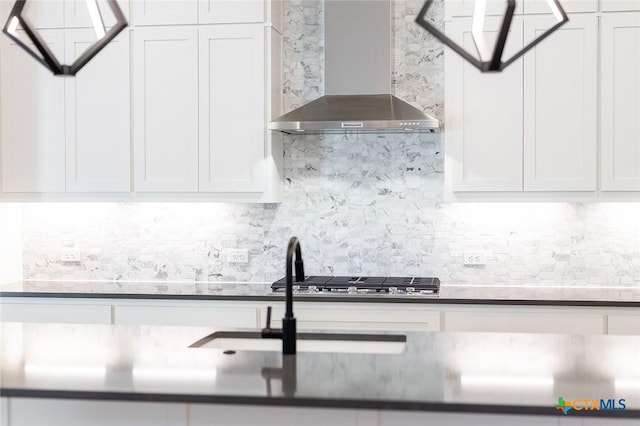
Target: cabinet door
{"points": [[165, 12], [98, 117], [230, 11], [232, 112], [627, 324], [76, 13], [620, 97], [525, 322], [165, 109], [483, 139], [465, 8], [560, 83], [186, 316], [32, 119], [619, 5], [42, 14], [569, 6], [52, 313]]}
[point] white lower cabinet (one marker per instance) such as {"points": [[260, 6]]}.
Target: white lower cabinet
{"points": [[628, 324], [511, 321], [332, 317], [232, 317], [56, 412], [233, 415], [56, 313]]}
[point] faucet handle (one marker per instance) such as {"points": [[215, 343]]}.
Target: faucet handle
{"points": [[268, 317]]}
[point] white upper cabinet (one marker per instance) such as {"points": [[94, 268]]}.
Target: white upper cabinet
{"points": [[620, 97], [76, 13], [184, 12], [496, 8], [230, 11], [166, 109], [165, 12], [232, 108], [483, 137], [98, 141], [33, 132], [569, 6], [560, 108], [43, 14], [619, 5]]}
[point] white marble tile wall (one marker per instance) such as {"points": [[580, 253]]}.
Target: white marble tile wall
{"points": [[366, 204]]}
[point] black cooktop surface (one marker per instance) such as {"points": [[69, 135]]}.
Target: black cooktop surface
{"points": [[357, 284]]}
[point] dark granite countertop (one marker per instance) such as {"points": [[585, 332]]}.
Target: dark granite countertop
{"points": [[449, 293], [461, 372]]}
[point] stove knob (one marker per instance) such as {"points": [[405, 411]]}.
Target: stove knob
{"points": [[411, 290], [352, 289], [313, 289], [393, 290], [296, 289]]}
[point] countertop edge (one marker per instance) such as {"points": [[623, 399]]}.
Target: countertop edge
{"points": [[342, 299], [308, 403]]}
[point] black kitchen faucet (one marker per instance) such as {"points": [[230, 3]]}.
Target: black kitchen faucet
{"points": [[288, 331]]}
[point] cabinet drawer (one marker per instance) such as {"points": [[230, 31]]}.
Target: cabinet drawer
{"points": [[187, 316], [361, 319], [55, 412], [624, 324], [63, 313], [526, 322]]}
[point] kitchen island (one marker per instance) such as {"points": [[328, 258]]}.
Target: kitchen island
{"points": [[70, 372]]}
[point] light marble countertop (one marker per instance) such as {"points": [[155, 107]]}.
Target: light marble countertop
{"points": [[472, 372], [449, 293]]}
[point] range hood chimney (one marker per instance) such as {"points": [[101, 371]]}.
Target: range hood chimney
{"points": [[358, 42]]}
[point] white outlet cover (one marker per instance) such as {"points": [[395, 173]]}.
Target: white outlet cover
{"points": [[237, 255]]}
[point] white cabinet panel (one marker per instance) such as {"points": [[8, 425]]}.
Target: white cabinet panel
{"points": [[62, 313], [233, 415], [484, 119], [98, 142], [619, 5], [44, 13], [165, 12], [76, 13], [232, 112], [569, 6], [230, 11], [33, 109], [187, 316], [624, 324], [405, 418], [345, 318], [560, 110], [56, 412], [4, 412], [166, 109], [524, 322], [620, 98], [465, 7]]}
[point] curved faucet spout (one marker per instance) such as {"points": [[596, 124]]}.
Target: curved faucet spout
{"points": [[293, 247]]}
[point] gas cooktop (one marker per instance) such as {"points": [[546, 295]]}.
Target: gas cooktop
{"points": [[326, 285]]}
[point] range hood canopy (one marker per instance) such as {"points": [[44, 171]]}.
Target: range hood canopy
{"points": [[358, 41], [362, 113]]}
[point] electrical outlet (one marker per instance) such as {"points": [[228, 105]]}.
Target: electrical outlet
{"points": [[237, 256], [474, 258], [70, 255]]}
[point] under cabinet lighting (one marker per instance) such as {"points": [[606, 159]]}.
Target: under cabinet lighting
{"points": [[487, 61], [44, 55]]}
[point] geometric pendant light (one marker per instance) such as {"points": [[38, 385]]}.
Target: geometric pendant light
{"points": [[490, 59], [44, 54]]}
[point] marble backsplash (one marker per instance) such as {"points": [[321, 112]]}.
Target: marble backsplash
{"points": [[361, 204]]}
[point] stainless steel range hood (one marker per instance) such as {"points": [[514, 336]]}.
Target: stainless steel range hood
{"points": [[358, 43]]}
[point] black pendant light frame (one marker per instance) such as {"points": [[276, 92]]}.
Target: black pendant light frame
{"points": [[48, 59], [495, 63]]}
